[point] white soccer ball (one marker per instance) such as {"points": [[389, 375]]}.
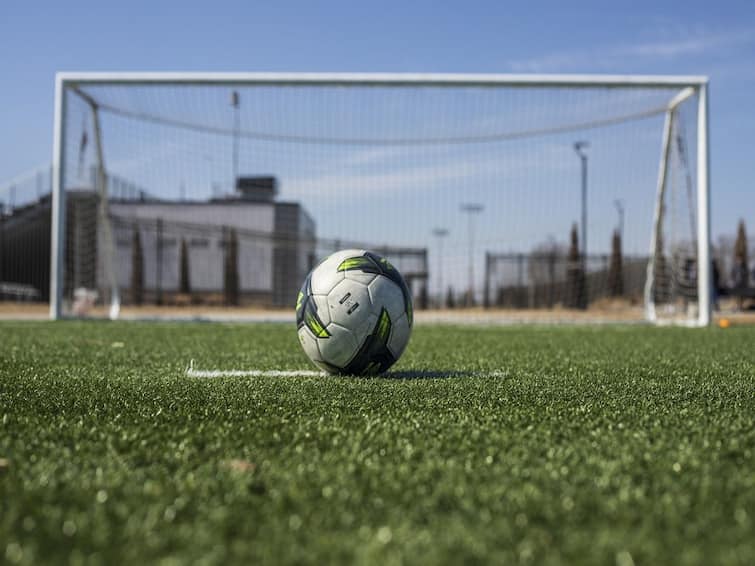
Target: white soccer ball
{"points": [[354, 313]]}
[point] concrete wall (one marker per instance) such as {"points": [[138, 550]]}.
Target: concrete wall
{"points": [[275, 245], [294, 251], [202, 226]]}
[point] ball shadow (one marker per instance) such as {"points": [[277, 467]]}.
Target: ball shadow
{"points": [[426, 374]]}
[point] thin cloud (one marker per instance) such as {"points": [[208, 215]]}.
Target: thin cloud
{"points": [[690, 43], [426, 174]]}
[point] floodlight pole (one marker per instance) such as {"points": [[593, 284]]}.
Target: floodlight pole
{"points": [[440, 233], [579, 147], [471, 209]]}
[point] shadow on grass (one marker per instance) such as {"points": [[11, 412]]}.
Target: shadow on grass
{"points": [[429, 374]]}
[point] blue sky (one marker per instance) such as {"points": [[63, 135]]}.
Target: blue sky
{"points": [[711, 38]]}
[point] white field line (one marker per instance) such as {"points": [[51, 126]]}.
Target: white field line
{"points": [[191, 371]]}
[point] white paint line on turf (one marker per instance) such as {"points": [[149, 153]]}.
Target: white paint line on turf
{"points": [[252, 373], [192, 372]]}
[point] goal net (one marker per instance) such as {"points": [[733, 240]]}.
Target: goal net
{"points": [[548, 196]]}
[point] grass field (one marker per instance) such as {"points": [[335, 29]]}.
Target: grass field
{"points": [[575, 445]]}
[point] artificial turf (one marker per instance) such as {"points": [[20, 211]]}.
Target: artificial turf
{"points": [[569, 445]]}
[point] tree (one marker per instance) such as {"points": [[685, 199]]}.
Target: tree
{"points": [[184, 283], [576, 295], [615, 271], [231, 271], [137, 269], [740, 274]]}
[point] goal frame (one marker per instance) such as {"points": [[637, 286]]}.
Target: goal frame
{"points": [[697, 84]]}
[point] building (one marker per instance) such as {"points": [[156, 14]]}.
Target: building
{"points": [[275, 245]]}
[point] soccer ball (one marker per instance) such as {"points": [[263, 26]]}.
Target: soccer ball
{"points": [[354, 313]]}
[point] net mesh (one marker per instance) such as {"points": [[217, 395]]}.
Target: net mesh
{"points": [[25, 238], [282, 175]]}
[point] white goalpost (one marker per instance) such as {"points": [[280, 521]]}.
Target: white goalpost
{"points": [[209, 191]]}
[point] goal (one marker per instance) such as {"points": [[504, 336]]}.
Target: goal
{"points": [[548, 197]]}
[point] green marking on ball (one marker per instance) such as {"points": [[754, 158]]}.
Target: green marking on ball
{"points": [[316, 326], [384, 326], [299, 301], [352, 263]]}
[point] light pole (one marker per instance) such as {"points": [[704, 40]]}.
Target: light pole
{"points": [[620, 208], [440, 233], [471, 209], [579, 147], [236, 103]]}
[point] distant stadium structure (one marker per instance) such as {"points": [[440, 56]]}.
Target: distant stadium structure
{"points": [[244, 248], [276, 244]]}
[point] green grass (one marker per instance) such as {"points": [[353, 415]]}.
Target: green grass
{"points": [[589, 446]]}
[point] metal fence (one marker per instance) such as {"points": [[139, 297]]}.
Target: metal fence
{"points": [[543, 281]]}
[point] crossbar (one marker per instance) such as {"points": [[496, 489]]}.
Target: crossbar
{"points": [[384, 79]]}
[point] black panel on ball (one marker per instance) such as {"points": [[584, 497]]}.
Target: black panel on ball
{"points": [[374, 356]]}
